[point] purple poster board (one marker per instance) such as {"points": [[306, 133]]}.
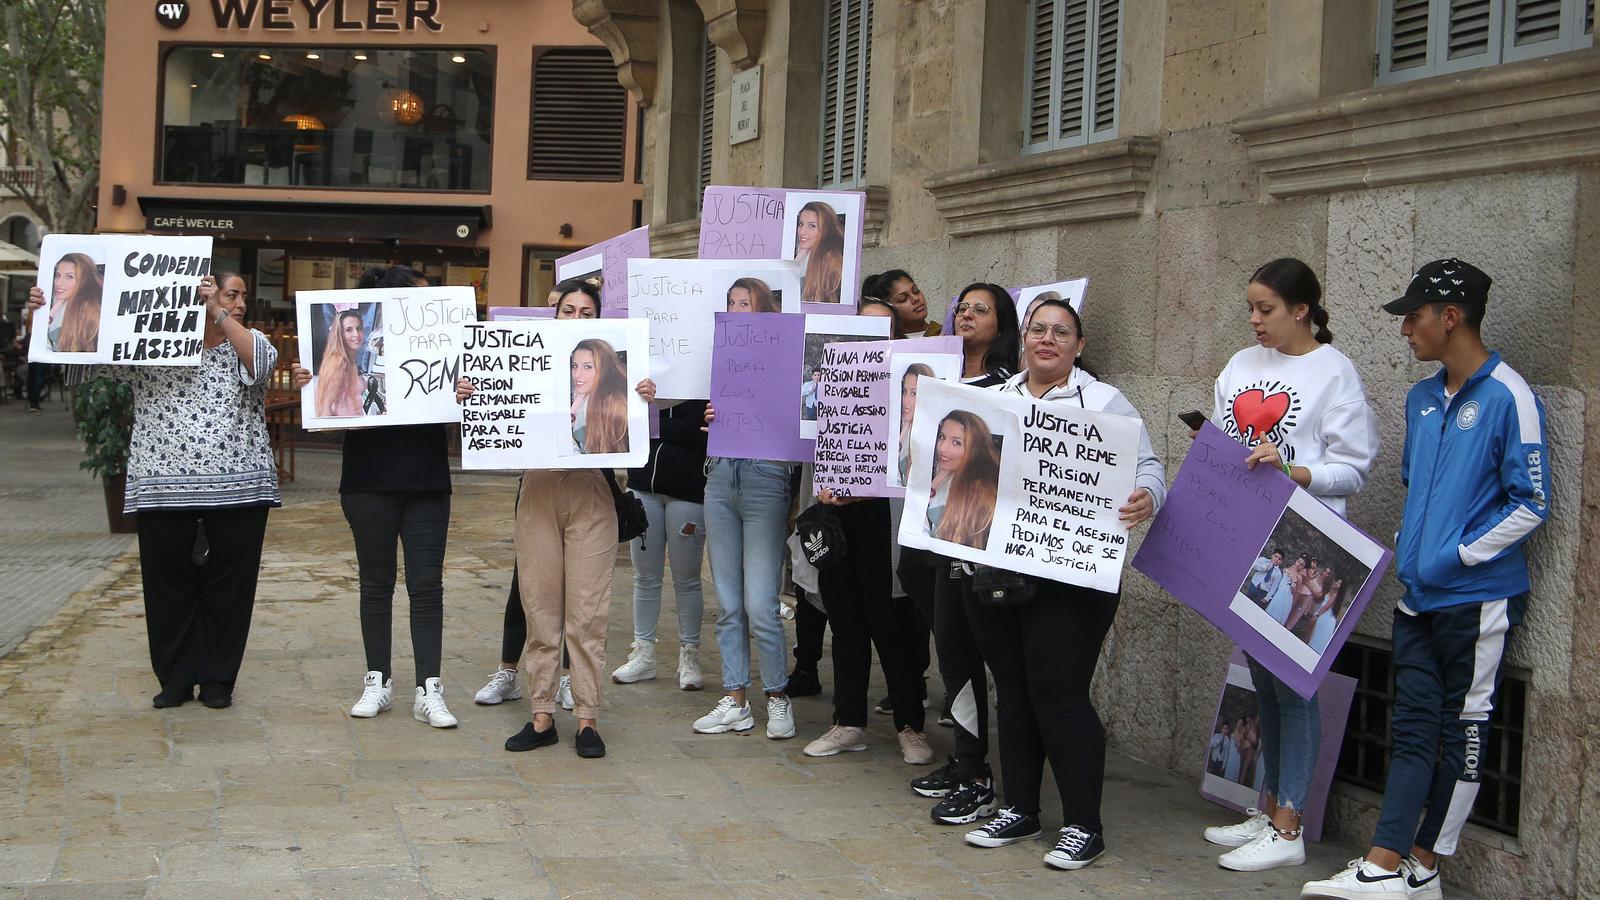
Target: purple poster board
{"points": [[852, 450], [612, 264], [741, 223], [763, 223], [1229, 779], [506, 313], [756, 360], [1216, 535]]}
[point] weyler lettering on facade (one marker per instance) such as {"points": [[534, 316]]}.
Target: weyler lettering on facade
{"points": [[337, 15]]}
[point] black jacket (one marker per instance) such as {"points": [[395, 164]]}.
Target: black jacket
{"points": [[677, 465]]}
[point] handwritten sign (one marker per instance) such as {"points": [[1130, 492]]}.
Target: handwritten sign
{"points": [[1020, 484], [382, 356], [608, 259], [555, 394], [130, 300], [820, 230], [755, 376], [741, 223], [1260, 558]]}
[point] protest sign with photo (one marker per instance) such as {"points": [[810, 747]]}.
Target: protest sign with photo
{"points": [[822, 330], [862, 409], [680, 297], [555, 394], [820, 230], [1020, 484], [381, 356], [123, 299], [755, 372], [1234, 770], [1028, 297], [608, 262], [1262, 559]]}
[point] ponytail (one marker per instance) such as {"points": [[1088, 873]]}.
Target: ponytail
{"points": [[1294, 281], [1319, 318]]}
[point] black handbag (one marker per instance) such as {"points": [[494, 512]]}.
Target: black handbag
{"points": [[821, 536], [1002, 587], [631, 520]]}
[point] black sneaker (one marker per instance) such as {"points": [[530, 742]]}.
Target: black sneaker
{"points": [[1008, 827], [938, 783], [1076, 848], [972, 801], [588, 743], [803, 683], [885, 707], [528, 739]]}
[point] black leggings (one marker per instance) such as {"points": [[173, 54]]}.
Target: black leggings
{"points": [[420, 521], [198, 616], [863, 614], [916, 572], [1043, 655], [960, 664]]}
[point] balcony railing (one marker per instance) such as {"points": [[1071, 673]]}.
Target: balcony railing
{"points": [[16, 179]]}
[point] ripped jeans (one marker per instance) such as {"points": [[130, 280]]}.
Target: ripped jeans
{"points": [[677, 528]]}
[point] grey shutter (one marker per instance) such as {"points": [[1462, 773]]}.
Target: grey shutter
{"points": [[1407, 42], [708, 94], [846, 59], [1074, 62], [1540, 27], [1467, 31], [1107, 59], [1073, 66], [1041, 50], [580, 117]]}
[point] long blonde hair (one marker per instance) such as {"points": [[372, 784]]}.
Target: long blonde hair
{"points": [[825, 266], [606, 421], [970, 509], [761, 296], [338, 372], [80, 320]]}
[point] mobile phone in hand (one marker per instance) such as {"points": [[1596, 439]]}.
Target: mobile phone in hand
{"points": [[1193, 419]]}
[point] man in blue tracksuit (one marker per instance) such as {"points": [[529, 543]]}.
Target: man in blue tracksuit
{"points": [[1477, 484]]}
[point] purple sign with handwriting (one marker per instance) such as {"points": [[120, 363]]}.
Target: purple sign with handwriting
{"points": [[1234, 770], [756, 360], [820, 230], [1270, 565], [741, 223], [853, 420], [609, 260]]}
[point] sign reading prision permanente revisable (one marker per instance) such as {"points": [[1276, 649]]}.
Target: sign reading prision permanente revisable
{"points": [[312, 15]]}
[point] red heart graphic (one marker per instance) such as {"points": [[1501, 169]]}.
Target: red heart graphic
{"points": [[1256, 414]]}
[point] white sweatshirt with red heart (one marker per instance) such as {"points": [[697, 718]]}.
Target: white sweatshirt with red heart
{"points": [[1312, 407]]}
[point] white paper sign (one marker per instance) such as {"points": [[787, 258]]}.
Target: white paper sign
{"points": [[906, 374], [1070, 291], [555, 394], [822, 330], [680, 298], [124, 299], [382, 356], [1020, 484]]}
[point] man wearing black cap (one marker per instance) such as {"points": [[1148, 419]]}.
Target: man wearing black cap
{"points": [[1477, 485]]}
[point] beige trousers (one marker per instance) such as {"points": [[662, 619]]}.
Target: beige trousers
{"points": [[566, 549]]}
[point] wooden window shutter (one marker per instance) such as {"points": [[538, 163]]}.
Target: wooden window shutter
{"points": [[1107, 60], [580, 116], [708, 96], [846, 60]]}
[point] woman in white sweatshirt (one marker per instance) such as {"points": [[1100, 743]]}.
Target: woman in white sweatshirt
{"points": [[1299, 404]]}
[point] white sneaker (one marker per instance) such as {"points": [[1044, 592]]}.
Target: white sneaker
{"points": [[1360, 880], [914, 747], [836, 740], [689, 677], [564, 692], [1422, 883], [377, 695], [430, 706], [1242, 833], [780, 719], [503, 685], [641, 664], [727, 715], [1268, 851]]}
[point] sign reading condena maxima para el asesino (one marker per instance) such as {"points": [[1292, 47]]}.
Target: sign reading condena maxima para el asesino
{"points": [[1020, 484], [555, 394], [120, 299]]}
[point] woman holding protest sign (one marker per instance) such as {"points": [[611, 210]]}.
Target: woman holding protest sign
{"points": [[394, 487], [1043, 651], [1299, 403], [201, 477]]}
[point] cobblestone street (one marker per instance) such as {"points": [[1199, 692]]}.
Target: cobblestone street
{"points": [[285, 795]]}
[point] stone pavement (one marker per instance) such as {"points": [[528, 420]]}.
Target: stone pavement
{"points": [[284, 795]]}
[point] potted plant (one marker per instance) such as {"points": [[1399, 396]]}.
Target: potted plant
{"points": [[103, 408]]}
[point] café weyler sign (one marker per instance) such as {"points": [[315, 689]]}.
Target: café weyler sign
{"points": [[307, 15]]}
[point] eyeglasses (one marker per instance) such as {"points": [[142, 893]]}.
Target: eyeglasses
{"points": [[1038, 330], [978, 309]]}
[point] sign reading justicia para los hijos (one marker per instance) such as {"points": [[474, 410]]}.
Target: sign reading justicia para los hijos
{"points": [[121, 299]]}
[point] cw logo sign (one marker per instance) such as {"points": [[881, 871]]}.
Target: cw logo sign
{"points": [[172, 13]]}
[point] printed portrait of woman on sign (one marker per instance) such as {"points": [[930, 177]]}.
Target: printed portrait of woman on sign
{"points": [[75, 288], [819, 248], [966, 480], [599, 398], [347, 381]]}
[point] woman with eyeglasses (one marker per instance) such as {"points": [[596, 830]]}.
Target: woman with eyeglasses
{"points": [[986, 320], [1043, 652]]}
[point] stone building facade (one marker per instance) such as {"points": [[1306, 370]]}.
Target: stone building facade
{"points": [[1240, 130]]}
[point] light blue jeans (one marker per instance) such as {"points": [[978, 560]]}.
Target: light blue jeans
{"points": [[747, 525], [1291, 731], [676, 527]]}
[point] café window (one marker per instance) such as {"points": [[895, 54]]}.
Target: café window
{"points": [[358, 118]]}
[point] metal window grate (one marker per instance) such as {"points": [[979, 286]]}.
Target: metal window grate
{"points": [[580, 116], [1368, 740]]}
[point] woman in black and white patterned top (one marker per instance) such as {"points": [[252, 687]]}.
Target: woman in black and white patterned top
{"points": [[201, 478]]}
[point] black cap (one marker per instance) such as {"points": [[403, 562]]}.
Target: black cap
{"points": [[1443, 281]]}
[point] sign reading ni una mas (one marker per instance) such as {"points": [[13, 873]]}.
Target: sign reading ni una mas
{"points": [[311, 15]]}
